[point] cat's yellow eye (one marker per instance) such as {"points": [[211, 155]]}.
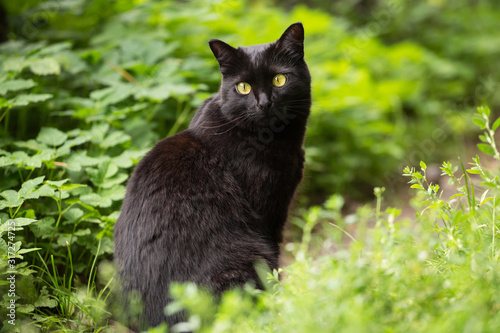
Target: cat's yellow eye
{"points": [[244, 88], [279, 80]]}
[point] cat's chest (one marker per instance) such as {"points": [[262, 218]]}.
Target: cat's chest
{"points": [[267, 178]]}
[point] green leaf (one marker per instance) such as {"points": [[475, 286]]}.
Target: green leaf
{"points": [[495, 124], [480, 122], [474, 171], [484, 110], [180, 90], [48, 191], [25, 308], [114, 94], [45, 301], [31, 144], [98, 131], [56, 184], [101, 93], [65, 149], [3, 103], [94, 199], [485, 193], [73, 215], [79, 159], [68, 187], [417, 186], [118, 179], [15, 85], [423, 165], [6, 161], [158, 93], [17, 223], [24, 270], [114, 193], [20, 157], [23, 251], [12, 199], [25, 99], [128, 157], [64, 239], [487, 149], [486, 200], [115, 138], [107, 246], [417, 175], [51, 136], [15, 64], [457, 195], [45, 66], [28, 190], [82, 232], [54, 48], [105, 170], [44, 227]]}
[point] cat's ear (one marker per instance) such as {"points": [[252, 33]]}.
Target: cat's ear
{"points": [[292, 40], [224, 53]]}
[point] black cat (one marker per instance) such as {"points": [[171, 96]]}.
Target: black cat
{"points": [[205, 204]]}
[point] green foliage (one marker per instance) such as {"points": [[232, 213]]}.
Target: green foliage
{"points": [[438, 275], [87, 87], [148, 67]]}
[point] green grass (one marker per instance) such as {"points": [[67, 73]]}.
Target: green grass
{"points": [[439, 272], [77, 113]]}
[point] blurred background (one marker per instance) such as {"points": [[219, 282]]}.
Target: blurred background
{"points": [[88, 86], [394, 82]]}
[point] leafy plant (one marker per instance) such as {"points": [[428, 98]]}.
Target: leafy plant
{"points": [[439, 274], [87, 87]]}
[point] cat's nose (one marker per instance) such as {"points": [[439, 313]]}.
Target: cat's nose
{"points": [[265, 106], [264, 102]]}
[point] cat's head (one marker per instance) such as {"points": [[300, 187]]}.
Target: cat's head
{"points": [[262, 80]]}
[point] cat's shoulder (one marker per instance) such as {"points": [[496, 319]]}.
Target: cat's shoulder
{"points": [[180, 150], [173, 157], [180, 144]]}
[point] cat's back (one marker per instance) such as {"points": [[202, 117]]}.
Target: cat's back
{"points": [[167, 178], [172, 160], [182, 201], [179, 184]]}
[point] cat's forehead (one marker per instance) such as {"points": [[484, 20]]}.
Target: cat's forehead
{"points": [[258, 48], [256, 52]]}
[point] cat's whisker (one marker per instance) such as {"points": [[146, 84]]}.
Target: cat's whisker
{"points": [[229, 129], [228, 121], [237, 121], [298, 110], [218, 126]]}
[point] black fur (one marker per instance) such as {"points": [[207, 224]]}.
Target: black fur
{"points": [[206, 203]]}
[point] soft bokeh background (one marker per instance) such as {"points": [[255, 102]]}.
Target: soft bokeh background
{"points": [[88, 86]]}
